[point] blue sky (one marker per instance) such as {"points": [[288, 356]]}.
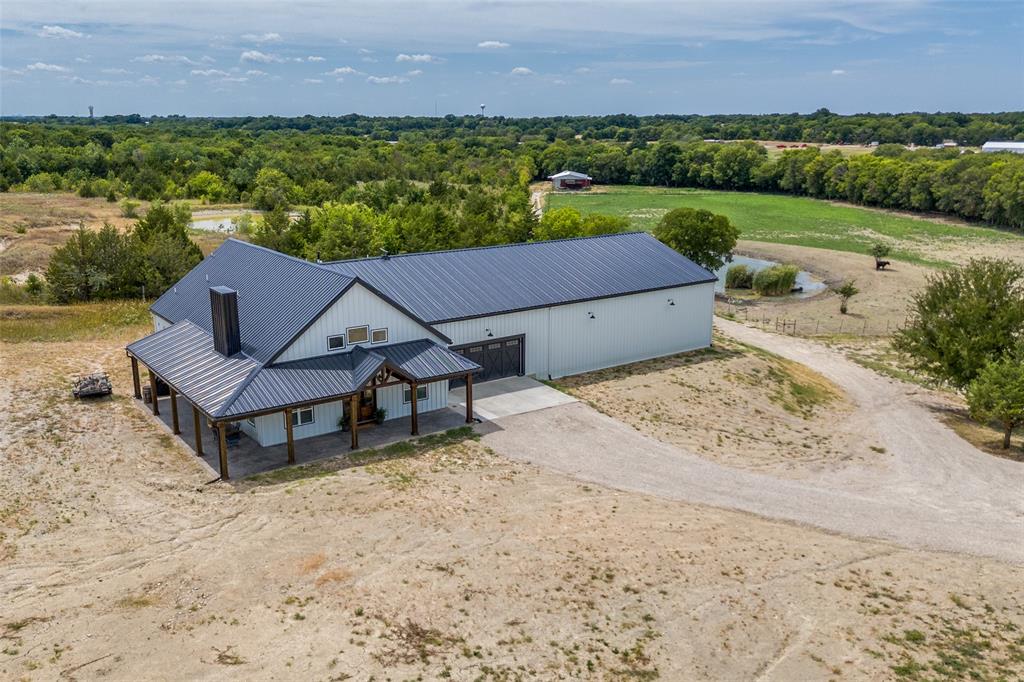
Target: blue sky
{"points": [[519, 58]]}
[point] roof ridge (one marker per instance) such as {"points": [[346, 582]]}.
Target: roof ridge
{"points": [[484, 248], [282, 254]]}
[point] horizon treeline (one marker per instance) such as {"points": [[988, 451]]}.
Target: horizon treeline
{"points": [[270, 162]]}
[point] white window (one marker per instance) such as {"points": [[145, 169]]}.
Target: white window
{"points": [[336, 342], [302, 417], [358, 334], [379, 336], [421, 394]]}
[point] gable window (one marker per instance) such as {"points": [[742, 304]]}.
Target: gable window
{"points": [[421, 394], [358, 334], [336, 342], [379, 336], [302, 417]]}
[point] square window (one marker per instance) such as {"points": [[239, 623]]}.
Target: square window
{"points": [[379, 336], [358, 335], [302, 417], [421, 394], [336, 342]]}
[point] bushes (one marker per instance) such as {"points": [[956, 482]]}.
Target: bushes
{"points": [[739, 276], [777, 280]]}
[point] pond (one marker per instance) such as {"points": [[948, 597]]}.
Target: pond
{"points": [[217, 221], [810, 284]]}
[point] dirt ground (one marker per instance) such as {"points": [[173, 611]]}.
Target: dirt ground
{"points": [[119, 561], [33, 225], [733, 404]]}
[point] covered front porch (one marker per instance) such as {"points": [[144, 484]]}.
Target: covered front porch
{"points": [[247, 457]]}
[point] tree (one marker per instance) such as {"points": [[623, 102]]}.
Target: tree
{"points": [[880, 250], [700, 235], [846, 291], [559, 223], [997, 394], [208, 186], [965, 318], [273, 188]]}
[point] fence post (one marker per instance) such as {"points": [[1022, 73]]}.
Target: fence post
{"points": [[840, 326], [864, 331]]}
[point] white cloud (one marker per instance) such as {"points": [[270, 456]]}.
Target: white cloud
{"points": [[149, 80], [620, 81], [167, 58], [838, 72], [115, 72], [493, 44], [386, 80], [82, 60], [312, 81], [342, 71], [260, 38], [583, 69], [414, 72], [424, 58], [363, 50], [234, 79], [41, 66], [315, 58], [369, 60], [256, 73], [522, 71], [181, 82], [209, 72], [260, 57], [59, 32]]}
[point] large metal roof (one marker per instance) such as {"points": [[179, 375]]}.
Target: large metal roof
{"points": [[183, 355], [278, 295], [443, 286]]}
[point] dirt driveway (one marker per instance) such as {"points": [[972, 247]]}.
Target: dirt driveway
{"points": [[927, 489]]}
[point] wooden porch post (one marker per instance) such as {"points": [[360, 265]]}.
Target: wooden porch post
{"points": [[197, 426], [174, 413], [469, 398], [353, 413], [222, 439], [135, 379], [415, 410], [152, 393], [288, 430]]}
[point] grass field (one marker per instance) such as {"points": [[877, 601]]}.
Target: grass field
{"points": [[792, 220]]}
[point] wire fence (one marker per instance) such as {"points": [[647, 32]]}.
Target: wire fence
{"points": [[813, 326]]}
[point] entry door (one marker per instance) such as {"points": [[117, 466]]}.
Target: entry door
{"points": [[499, 358], [367, 405]]}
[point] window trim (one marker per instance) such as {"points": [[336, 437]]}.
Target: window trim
{"points": [[379, 329], [348, 335], [297, 416], [406, 389], [336, 336]]}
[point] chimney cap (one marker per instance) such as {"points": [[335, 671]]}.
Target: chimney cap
{"points": [[223, 290]]}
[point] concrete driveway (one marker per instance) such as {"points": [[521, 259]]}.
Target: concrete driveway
{"points": [[507, 397], [933, 490]]}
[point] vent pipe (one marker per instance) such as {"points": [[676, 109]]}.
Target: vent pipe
{"points": [[224, 308]]}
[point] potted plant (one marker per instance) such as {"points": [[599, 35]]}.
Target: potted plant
{"points": [[380, 415], [344, 423]]}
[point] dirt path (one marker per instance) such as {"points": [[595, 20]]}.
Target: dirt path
{"points": [[928, 488]]}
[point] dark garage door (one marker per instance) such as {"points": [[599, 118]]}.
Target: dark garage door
{"points": [[498, 357]]}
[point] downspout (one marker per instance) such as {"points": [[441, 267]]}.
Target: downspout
{"points": [[549, 344]]}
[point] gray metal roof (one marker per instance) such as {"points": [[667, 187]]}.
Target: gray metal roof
{"points": [[183, 355], [278, 295], [443, 286], [423, 360]]}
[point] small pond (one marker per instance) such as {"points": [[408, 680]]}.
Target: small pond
{"points": [[810, 284], [217, 221]]}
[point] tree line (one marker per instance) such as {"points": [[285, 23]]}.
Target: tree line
{"points": [[253, 161]]}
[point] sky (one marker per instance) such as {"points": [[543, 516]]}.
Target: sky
{"points": [[562, 57]]}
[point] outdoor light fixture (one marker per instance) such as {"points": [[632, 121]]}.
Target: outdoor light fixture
{"points": [[592, 316], [489, 334], [671, 302]]}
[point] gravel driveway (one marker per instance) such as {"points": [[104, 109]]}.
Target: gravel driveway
{"points": [[929, 490]]}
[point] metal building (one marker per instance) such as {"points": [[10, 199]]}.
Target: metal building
{"points": [[251, 334], [568, 179], [993, 146]]}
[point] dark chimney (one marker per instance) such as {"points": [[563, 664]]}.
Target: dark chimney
{"points": [[224, 306]]}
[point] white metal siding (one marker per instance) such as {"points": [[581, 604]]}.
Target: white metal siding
{"points": [[359, 306], [270, 428], [159, 322], [564, 339]]}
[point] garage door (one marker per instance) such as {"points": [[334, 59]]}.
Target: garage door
{"points": [[498, 357]]}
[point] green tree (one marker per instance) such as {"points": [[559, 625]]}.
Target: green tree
{"points": [[559, 223], [997, 394], [69, 273], [964, 318], [879, 250], [846, 291], [208, 186], [702, 236], [274, 232], [273, 189]]}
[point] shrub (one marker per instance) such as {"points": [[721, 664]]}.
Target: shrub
{"points": [[846, 291], [777, 280], [879, 250], [739, 276], [129, 208]]}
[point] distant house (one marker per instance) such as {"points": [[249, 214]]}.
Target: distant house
{"points": [[1015, 147], [569, 180]]}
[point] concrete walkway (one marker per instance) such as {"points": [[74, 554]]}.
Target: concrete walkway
{"points": [[932, 489], [506, 397]]}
